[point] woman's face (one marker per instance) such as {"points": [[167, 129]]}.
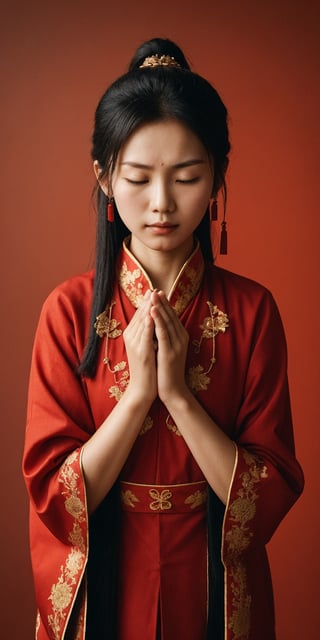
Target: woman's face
{"points": [[162, 185]]}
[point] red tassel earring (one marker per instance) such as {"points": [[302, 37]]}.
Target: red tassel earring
{"points": [[223, 238], [213, 209], [110, 210]]}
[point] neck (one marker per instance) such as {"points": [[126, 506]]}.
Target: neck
{"points": [[162, 267]]}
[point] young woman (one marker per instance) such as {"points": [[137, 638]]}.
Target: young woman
{"points": [[159, 451]]}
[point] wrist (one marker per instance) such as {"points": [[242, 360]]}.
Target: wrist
{"points": [[178, 402], [138, 398]]}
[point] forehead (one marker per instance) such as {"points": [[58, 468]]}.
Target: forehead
{"points": [[163, 142]]}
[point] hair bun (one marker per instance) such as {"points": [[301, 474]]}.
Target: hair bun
{"points": [[158, 47]]}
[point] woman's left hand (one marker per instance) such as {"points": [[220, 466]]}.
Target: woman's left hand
{"points": [[172, 339]]}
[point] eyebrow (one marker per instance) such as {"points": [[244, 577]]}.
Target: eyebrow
{"points": [[179, 165]]}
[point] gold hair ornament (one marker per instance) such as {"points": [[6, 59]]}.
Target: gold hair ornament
{"points": [[162, 61]]}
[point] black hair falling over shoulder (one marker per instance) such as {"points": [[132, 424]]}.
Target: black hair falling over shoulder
{"points": [[108, 242]]}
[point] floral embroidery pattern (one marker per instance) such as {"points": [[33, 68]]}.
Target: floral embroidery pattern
{"points": [[186, 289], [107, 326], [172, 426], [62, 592], [218, 321], [132, 289], [161, 500], [197, 379], [241, 512], [197, 498], [128, 498], [147, 425], [121, 378]]}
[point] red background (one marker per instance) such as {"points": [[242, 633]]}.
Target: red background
{"points": [[56, 60]]}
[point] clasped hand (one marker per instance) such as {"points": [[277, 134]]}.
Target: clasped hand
{"points": [[156, 345]]}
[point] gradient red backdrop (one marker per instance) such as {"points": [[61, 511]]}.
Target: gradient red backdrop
{"points": [[56, 60]]}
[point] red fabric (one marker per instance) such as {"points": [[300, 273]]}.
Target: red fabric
{"points": [[246, 394]]}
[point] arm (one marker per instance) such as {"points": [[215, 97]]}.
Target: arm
{"points": [[214, 451], [105, 453]]}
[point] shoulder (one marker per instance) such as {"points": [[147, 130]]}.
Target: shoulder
{"points": [[237, 288], [70, 301], [249, 302]]}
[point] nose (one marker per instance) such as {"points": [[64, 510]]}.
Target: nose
{"points": [[162, 197]]}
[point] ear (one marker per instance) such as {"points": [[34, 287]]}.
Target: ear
{"points": [[102, 183]]}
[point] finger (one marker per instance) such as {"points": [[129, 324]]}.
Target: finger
{"points": [[165, 316], [141, 313]]}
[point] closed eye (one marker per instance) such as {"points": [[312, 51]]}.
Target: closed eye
{"points": [[136, 181], [190, 181]]}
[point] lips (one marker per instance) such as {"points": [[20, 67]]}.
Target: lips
{"points": [[162, 225], [162, 228]]}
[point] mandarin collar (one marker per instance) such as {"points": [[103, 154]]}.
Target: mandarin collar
{"points": [[134, 280]]}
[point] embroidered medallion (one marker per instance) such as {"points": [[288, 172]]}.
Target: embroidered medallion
{"points": [[161, 500]]}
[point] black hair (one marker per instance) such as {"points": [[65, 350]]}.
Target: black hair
{"points": [[140, 96]]}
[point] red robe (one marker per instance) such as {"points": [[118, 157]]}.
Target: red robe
{"points": [[236, 366]]}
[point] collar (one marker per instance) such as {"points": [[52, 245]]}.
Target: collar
{"points": [[134, 280]]}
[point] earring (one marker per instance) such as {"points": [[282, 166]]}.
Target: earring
{"points": [[213, 209], [223, 238], [110, 209]]}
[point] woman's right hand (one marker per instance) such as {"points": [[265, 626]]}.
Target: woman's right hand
{"points": [[140, 347]]}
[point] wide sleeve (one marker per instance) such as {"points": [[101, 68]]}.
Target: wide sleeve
{"points": [[267, 478], [59, 419], [59, 422]]}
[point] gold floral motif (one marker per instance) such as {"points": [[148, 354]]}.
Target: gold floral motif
{"points": [[161, 500], [187, 288], [127, 280], [241, 512], [240, 618], [147, 425], [197, 498], [172, 426], [218, 321], [117, 390], [128, 498], [62, 591], [107, 326], [197, 379]]}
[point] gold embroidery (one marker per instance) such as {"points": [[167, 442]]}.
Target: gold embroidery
{"points": [[239, 620], [62, 591], [197, 379], [127, 280], [117, 390], [128, 498], [172, 426], [147, 425], [186, 288], [211, 326], [196, 499], [107, 326], [161, 501], [241, 512]]}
